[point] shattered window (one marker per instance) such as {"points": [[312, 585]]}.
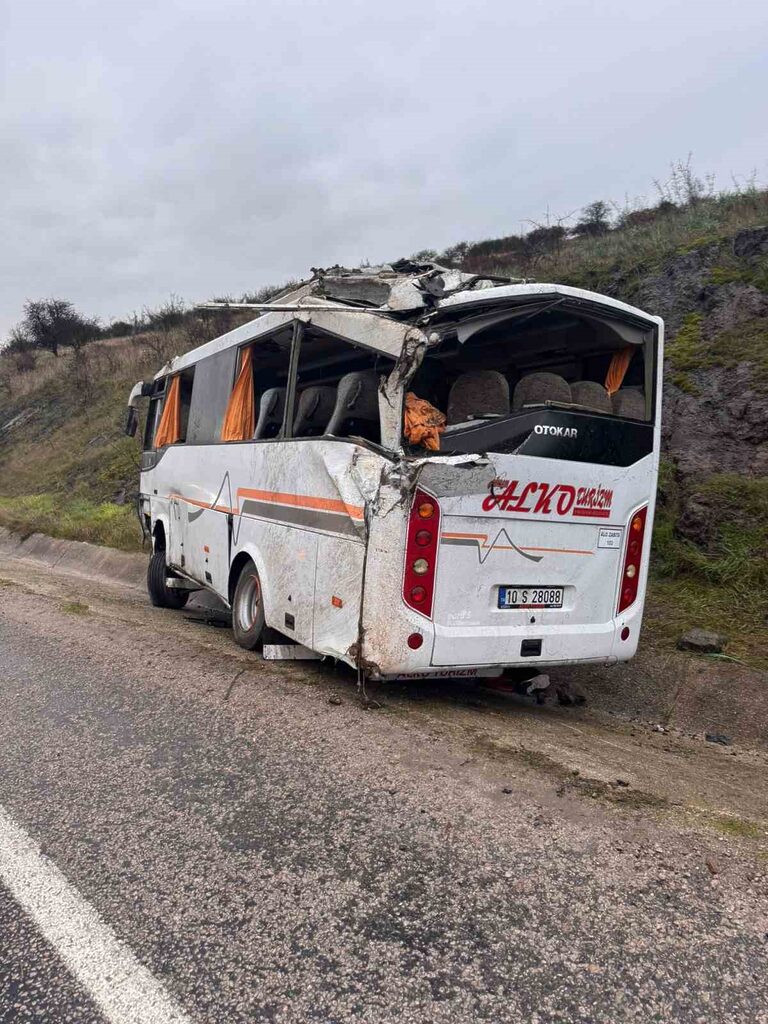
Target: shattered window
{"points": [[557, 359], [337, 389]]}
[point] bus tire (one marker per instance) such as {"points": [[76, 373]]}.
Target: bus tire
{"points": [[160, 595], [248, 608]]}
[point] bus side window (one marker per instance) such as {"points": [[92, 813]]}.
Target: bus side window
{"points": [[337, 389], [210, 393], [187, 381], [153, 415], [157, 405], [271, 360]]}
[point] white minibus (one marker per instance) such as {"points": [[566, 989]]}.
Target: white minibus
{"points": [[413, 470]]}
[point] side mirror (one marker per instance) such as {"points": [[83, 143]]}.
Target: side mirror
{"points": [[132, 422]]}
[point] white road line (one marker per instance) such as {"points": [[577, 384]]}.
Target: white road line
{"points": [[124, 991]]}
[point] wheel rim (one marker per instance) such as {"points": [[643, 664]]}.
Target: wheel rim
{"points": [[248, 603]]}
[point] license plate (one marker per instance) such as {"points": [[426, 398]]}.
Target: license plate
{"points": [[530, 597]]}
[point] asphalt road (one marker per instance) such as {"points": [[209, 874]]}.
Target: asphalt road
{"points": [[35, 985], [268, 848]]}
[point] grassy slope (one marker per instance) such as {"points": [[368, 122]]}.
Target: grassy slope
{"points": [[724, 586], [620, 259], [68, 470], [66, 461]]}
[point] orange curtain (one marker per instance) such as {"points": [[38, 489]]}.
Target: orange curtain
{"points": [[423, 422], [169, 428], [239, 419], [618, 369]]}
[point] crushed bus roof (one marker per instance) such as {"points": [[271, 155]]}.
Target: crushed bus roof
{"points": [[391, 307]]}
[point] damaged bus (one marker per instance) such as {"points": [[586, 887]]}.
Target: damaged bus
{"points": [[413, 470]]}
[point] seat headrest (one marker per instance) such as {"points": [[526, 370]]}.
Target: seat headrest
{"points": [[537, 388], [271, 410], [316, 404], [477, 393], [629, 403], [357, 398], [591, 395]]}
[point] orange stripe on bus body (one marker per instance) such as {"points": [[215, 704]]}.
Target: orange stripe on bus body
{"points": [[204, 504], [281, 498], [302, 501]]}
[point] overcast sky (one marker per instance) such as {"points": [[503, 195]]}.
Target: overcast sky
{"points": [[214, 146]]}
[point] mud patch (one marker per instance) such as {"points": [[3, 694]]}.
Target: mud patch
{"points": [[569, 780], [75, 608]]}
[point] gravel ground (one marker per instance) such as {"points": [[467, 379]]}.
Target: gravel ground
{"points": [[273, 849]]}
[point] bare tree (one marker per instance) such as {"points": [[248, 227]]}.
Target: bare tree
{"points": [[53, 323], [18, 340], [684, 187], [455, 255], [595, 220], [168, 315]]}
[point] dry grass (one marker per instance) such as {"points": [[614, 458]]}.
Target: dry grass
{"points": [[76, 518], [602, 262], [66, 467]]}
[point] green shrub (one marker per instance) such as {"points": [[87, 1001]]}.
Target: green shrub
{"points": [[76, 518], [686, 351], [746, 343], [737, 512]]}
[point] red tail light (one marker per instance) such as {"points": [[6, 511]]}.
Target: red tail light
{"points": [[421, 553], [633, 553]]}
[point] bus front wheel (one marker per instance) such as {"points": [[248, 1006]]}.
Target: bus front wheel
{"points": [[161, 595], [248, 608]]}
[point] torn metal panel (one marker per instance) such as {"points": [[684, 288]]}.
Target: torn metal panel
{"points": [[289, 652], [393, 388], [406, 296], [405, 287], [360, 288], [376, 332], [515, 292], [469, 459], [365, 470]]}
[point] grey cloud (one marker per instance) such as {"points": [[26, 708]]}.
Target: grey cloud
{"points": [[202, 147]]}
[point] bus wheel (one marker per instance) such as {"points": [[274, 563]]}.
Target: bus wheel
{"points": [[160, 595], [248, 608]]}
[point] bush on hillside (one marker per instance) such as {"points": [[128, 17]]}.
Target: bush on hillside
{"points": [[52, 324], [595, 220]]}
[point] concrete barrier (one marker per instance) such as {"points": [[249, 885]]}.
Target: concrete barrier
{"points": [[77, 557], [91, 561]]}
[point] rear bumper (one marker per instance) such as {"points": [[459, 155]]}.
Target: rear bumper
{"points": [[457, 650], [493, 645]]}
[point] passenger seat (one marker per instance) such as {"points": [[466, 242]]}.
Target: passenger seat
{"points": [[629, 403], [357, 406], [271, 410], [316, 404], [538, 388], [591, 395], [476, 394]]}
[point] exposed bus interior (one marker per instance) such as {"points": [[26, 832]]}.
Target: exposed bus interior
{"points": [[335, 390], [552, 357]]}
